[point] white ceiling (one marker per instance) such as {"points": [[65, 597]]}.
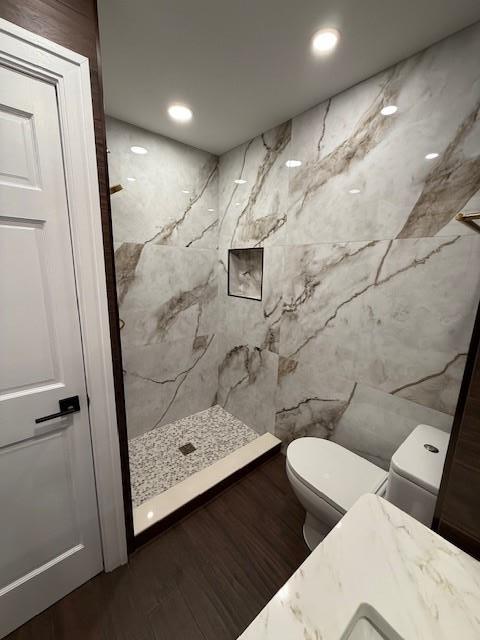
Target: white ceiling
{"points": [[245, 65]]}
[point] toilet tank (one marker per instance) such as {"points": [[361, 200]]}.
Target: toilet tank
{"points": [[416, 470]]}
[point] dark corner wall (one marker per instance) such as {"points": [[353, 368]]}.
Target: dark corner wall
{"points": [[74, 25], [457, 516]]}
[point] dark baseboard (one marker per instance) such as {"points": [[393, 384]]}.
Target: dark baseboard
{"points": [[201, 500]]}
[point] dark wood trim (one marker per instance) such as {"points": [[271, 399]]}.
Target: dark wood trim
{"points": [[202, 499], [457, 420], [462, 464], [74, 24], [113, 311]]}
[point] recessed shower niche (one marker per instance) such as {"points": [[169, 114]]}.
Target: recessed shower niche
{"points": [[245, 273]]}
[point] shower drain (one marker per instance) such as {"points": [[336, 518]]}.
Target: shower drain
{"points": [[186, 448]]}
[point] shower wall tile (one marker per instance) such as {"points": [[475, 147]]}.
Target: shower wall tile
{"points": [[247, 379], [310, 400], [154, 208], [395, 315], [374, 423], [169, 380], [368, 298], [256, 320], [345, 143], [166, 265], [168, 318], [166, 293], [254, 213]]}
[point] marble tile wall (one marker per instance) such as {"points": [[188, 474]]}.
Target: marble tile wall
{"points": [[166, 263], [369, 295], [369, 284]]}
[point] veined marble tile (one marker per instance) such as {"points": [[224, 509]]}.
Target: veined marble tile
{"points": [[255, 322], [375, 423], [168, 381], [254, 213], [345, 143], [310, 400], [395, 315], [247, 378], [166, 293], [368, 298], [154, 208]]}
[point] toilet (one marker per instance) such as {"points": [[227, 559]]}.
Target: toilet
{"points": [[328, 479]]}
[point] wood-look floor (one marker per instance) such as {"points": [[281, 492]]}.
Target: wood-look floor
{"points": [[206, 578]]}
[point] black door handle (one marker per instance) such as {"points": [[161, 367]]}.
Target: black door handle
{"points": [[66, 405]]}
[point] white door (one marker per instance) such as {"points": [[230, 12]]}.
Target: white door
{"points": [[49, 530]]}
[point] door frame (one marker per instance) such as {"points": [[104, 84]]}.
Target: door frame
{"points": [[68, 71]]}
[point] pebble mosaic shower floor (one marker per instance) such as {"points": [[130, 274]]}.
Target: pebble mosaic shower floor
{"points": [[156, 459]]}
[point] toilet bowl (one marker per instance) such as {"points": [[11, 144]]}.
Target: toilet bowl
{"points": [[328, 479]]}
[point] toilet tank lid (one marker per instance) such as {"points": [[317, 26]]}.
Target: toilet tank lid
{"points": [[417, 463]]}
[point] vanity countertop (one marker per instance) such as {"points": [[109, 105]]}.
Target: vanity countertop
{"points": [[419, 583]]}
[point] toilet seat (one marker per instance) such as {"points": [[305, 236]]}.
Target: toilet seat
{"points": [[335, 474]]}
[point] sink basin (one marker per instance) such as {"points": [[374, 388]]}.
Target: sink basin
{"points": [[368, 624]]}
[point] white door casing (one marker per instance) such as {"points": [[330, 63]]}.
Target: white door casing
{"points": [[49, 536]]}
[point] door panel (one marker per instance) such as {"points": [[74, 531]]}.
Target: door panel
{"points": [[32, 360], [49, 536], [51, 515], [18, 157]]}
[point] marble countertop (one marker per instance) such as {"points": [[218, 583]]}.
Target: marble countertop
{"points": [[420, 584]]}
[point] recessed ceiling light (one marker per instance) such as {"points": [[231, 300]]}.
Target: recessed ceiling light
{"points": [[132, 179], [150, 515], [240, 181], [185, 191], [211, 209], [354, 191], [237, 204], [180, 113], [140, 150], [325, 41], [389, 110], [431, 156], [293, 163]]}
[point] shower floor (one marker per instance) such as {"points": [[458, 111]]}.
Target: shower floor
{"points": [[157, 462]]}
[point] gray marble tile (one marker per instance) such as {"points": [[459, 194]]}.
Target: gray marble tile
{"points": [[166, 293], [254, 213], [345, 143], [368, 298], [394, 315], [254, 322], [247, 379], [156, 464], [376, 423], [167, 381], [309, 401], [155, 208], [166, 264]]}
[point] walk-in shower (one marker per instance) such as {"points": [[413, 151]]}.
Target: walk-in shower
{"points": [[165, 223]]}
